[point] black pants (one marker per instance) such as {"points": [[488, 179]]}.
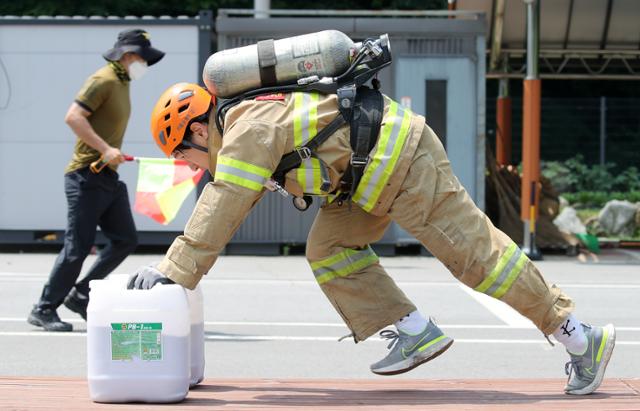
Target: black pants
{"points": [[93, 200]]}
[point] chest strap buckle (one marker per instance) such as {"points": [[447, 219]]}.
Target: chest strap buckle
{"points": [[304, 152], [357, 161]]}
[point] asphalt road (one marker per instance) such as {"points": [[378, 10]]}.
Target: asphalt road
{"points": [[265, 317]]}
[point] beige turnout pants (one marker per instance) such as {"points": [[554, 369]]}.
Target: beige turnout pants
{"points": [[433, 207]]}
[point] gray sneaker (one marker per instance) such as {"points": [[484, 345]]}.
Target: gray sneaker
{"points": [[587, 370], [409, 351]]}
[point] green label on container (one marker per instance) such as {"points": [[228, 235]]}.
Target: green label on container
{"points": [[142, 340]]}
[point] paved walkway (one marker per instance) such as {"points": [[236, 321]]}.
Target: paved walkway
{"points": [[344, 395]]}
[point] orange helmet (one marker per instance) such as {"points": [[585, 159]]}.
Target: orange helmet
{"points": [[177, 106]]}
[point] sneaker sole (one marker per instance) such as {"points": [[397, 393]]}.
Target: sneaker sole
{"points": [[606, 356], [34, 321], [412, 362]]}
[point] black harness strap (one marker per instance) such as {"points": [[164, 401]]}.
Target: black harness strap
{"points": [[267, 62], [293, 159], [365, 118], [365, 128]]}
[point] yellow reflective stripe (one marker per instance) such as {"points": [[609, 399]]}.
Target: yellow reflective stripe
{"points": [[375, 162], [511, 277], [343, 264], [305, 117], [241, 173], [333, 259], [312, 176], [248, 167], [313, 115], [309, 176], [506, 271], [502, 262], [243, 182], [351, 268], [298, 108], [390, 144]]}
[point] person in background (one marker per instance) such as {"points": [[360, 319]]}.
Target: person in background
{"points": [[98, 117]]}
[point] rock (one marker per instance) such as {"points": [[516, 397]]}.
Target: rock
{"points": [[617, 218], [563, 202], [569, 222]]}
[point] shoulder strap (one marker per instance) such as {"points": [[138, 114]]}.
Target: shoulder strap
{"points": [[365, 128], [365, 124], [293, 159]]}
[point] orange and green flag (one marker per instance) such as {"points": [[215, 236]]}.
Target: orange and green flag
{"points": [[163, 185]]}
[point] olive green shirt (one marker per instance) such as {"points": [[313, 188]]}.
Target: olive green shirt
{"points": [[107, 98]]}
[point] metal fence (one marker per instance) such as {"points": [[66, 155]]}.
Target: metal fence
{"points": [[601, 129]]}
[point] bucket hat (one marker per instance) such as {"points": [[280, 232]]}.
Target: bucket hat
{"points": [[134, 41]]}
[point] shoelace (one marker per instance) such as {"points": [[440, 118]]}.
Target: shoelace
{"points": [[390, 335], [575, 365], [395, 337]]}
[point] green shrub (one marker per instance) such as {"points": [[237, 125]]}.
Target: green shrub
{"points": [[586, 199], [559, 174], [629, 180], [574, 176]]}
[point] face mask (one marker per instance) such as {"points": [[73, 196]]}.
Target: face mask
{"points": [[137, 69]]}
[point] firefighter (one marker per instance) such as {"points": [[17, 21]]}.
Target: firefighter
{"points": [[408, 179]]}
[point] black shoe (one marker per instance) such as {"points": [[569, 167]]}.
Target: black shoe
{"points": [[77, 303], [48, 319]]}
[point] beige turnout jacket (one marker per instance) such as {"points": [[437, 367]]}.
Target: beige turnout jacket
{"points": [[257, 133]]}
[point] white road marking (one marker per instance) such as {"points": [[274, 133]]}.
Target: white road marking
{"points": [[329, 325], [290, 338], [40, 277], [501, 310]]}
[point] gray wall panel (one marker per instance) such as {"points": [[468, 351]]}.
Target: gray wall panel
{"points": [[45, 66], [281, 27], [420, 26], [274, 219]]}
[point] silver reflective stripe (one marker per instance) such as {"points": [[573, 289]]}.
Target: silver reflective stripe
{"points": [[305, 117], [377, 172], [306, 100], [309, 175], [505, 272], [313, 177], [393, 135], [343, 264], [508, 268], [222, 168]]}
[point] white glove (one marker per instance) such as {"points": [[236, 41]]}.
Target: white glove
{"points": [[146, 277]]}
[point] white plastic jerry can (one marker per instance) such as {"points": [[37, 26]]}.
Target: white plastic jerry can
{"points": [[138, 345], [196, 314], [196, 337]]}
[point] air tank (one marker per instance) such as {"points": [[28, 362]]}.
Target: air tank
{"points": [[324, 54]]}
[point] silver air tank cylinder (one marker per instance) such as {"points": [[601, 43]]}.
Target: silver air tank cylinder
{"points": [[324, 54]]}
